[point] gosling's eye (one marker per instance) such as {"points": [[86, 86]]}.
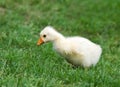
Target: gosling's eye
{"points": [[44, 35]]}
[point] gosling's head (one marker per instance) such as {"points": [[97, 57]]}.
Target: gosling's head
{"points": [[47, 34]]}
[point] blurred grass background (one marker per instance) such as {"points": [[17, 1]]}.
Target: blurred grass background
{"points": [[23, 64]]}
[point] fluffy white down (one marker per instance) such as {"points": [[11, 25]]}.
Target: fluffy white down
{"points": [[78, 51]]}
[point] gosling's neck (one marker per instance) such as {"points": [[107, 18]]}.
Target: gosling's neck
{"points": [[58, 38]]}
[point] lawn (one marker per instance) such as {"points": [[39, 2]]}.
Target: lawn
{"points": [[24, 64]]}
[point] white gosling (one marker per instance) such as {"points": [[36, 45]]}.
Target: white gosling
{"points": [[78, 51]]}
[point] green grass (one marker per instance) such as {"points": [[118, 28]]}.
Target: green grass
{"points": [[23, 64]]}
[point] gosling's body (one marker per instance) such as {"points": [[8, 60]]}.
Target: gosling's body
{"points": [[78, 51]]}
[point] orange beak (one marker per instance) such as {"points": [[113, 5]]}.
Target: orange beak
{"points": [[40, 41]]}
